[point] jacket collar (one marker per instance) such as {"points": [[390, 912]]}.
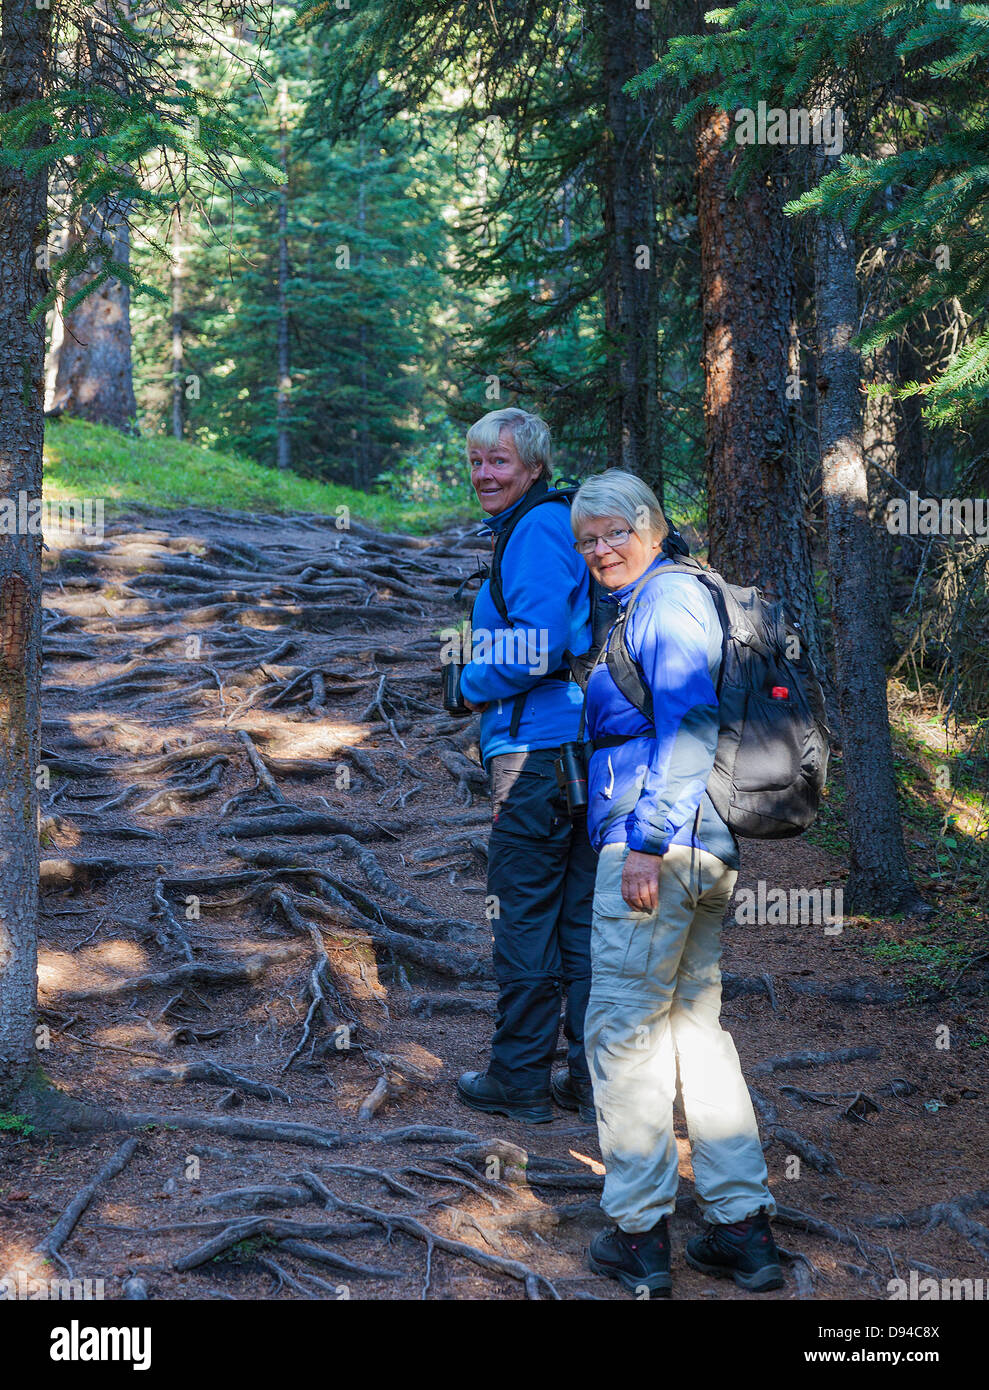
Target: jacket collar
{"points": [[494, 524]]}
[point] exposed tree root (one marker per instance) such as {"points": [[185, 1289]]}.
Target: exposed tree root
{"points": [[275, 1228], [396, 1076], [734, 985], [295, 822], [320, 981], [398, 1221], [271, 1131], [79, 873], [222, 974], [258, 1197], [469, 776], [304, 1251], [851, 992], [215, 1075], [50, 1247], [794, 1061], [796, 1143], [953, 1213]]}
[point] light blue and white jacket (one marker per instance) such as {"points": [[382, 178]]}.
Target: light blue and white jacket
{"points": [[646, 792]]}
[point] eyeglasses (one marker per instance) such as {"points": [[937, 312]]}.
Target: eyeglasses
{"points": [[613, 540]]}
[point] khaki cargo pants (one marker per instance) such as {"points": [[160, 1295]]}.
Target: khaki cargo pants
{"points": [[653, 1012]]}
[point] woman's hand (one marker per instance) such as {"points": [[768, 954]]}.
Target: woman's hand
{"points": [[640, 880], [478, 709]]}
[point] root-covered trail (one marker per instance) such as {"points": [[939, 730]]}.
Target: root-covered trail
{"points": [[264, 949]]}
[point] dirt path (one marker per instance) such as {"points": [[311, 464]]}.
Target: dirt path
{"points": [[264, 943]]}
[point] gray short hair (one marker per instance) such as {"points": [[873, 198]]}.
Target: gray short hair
{"points": [[530, 435], [616, 493]]}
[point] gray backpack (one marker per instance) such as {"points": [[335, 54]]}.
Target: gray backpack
{"points": [[771, 762]]}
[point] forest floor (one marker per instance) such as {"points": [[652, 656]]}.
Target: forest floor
{"points": [[264, 949]]}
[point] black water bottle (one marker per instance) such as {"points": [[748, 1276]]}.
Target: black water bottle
{"points": [[571, 776], [453, 700]]}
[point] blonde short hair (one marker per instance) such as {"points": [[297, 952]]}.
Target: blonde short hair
{"points": [[530, 435], [616, 493]]}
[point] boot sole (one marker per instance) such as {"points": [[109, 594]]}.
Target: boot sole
{"points": [[659, 1285], [761, 1281], [493, 1107]]}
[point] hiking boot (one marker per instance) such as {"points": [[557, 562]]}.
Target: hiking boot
{"points": [[574, 1095], [482, 1092], [639, 1262], [744, 1251]]}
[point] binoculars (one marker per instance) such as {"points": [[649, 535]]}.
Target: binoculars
{"points": [[571, 776], [453, 700]]}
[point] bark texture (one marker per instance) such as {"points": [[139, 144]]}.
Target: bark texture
{"points": [[178, 324], [283, 445], [24, 63], [755, 491], [879, 880], [628, 188]]}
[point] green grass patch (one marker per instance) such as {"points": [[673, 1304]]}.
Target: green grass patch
{"points": [[15, 1124], [244, 1249], [938, 963], [830, 829], [84, 460]]}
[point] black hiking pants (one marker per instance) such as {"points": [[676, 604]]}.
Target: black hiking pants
{"points": [[541, 874]]}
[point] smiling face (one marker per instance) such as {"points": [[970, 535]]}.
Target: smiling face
{"points": [[498, 475], [617, 564]]}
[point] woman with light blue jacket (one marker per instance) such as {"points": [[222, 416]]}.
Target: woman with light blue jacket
{"points": [[666, 871]]}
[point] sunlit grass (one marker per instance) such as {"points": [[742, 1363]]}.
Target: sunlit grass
{"points": [[83, 460]]}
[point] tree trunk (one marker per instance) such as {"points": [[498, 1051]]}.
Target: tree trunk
{"points": [[362, 435], [628, 197], [282, 407], [881, 449], [879, 880], [755, 492], [94, 378], [24, 61], [178, 271]]}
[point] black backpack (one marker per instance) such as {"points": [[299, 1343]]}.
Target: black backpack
{"points": [[771, 762], [602, 611]]}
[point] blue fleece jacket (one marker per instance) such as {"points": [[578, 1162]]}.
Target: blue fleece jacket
{"points": [[547, 594], [646, 792]]}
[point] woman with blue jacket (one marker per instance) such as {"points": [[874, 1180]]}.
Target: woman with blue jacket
{"points": [[666, 871], [541, 866]]}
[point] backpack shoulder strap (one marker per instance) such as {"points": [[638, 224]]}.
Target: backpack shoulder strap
{"points": [[622, 665], [535, 497]]}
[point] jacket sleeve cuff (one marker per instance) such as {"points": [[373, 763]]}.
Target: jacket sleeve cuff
{"points": [[470, 686], [645, 839]]}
